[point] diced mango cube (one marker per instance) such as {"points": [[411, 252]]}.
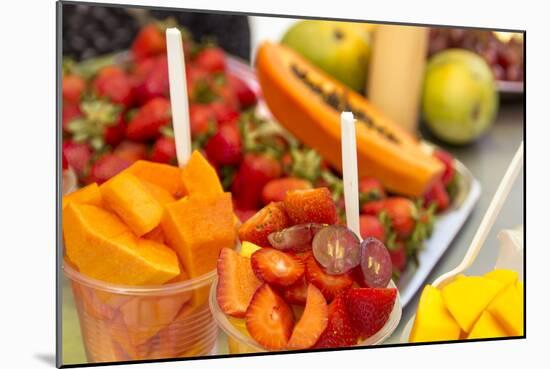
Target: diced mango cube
{"points": [[487, 327], [103, 247], [163, 175], [128, 197], [507, 308], [198, 227], [90, 195], [467, 297], [505, 276], [433, 321], [200, 177], [159, 193], [248, 248]]}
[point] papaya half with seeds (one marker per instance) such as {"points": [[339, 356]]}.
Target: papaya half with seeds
{"points": [[308, 103]]}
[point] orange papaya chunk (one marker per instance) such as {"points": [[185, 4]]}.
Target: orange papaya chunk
{"points": [[156, 235], [159, 193], [163, 175], [129, 198], [200, 177], [90, 195], [103, 247], [198, 227]]}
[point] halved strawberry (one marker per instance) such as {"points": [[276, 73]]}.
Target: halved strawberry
{"points": [[269, 319], [276, 189], [236, 283], [312, 323], [330, 285], [271, 218], [340, 332], [369, 308], [296, 293], [311, 206], [276, 267]]}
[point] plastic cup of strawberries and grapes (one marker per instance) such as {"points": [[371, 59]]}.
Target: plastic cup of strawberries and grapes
{"points": [[122, 323], [240, 342]]}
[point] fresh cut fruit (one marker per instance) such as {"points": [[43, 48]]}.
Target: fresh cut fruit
{"points": [[467, 297], [507, 308], [103, 247], [271, 218], [90, 195], [276, 267], [269, 319], [308, 103], [200, 177], [197, 227], [236, 283], [340, 332], [130, 199], [310, 206], [248, 248], [329, 285], [370, 308], [163, 175], [433, 321], [486, 327], [312, 323]]}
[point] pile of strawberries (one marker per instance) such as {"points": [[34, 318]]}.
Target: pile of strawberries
{"points": [[120, 113], [271, 288]]}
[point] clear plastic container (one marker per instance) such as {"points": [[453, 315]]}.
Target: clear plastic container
{"points": [[239, 342], [122, 323]]}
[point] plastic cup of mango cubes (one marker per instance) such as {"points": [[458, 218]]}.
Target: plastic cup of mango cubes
{"points": [[240, 342], [141, 253], [122, 323]]}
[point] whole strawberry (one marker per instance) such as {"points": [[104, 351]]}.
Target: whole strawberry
{"points": [[276, 189], [113, 83], [106, 167], [211, 59], [78, 155], [244, 93], [370, 226], [164, 150], [371, 189], [202, 119], [225, 147], [131, 151], [149, 119], [151, 79], [150, 41], [254, 172], [398, 255], [72, 88], [438, 196], [401, 211], [69, 113], [448, 162]]}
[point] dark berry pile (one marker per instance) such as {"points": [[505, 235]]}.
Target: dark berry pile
{"points": [[90, 31]]}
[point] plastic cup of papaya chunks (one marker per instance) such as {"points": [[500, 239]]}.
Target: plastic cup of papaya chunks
{"points": [[240, 342], [124, 323]]}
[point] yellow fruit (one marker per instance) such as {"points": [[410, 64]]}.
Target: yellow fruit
{"points": [[248, 248], [507, 308], [239, 324], [467, 297], [433, 321], [487, 327], [505, 276]]}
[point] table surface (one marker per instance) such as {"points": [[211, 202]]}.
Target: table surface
{"points": [[487, 159]]}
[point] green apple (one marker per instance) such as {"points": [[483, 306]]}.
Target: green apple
{"points": [[460, 99], [341, 49]]}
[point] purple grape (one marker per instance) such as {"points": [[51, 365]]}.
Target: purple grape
{"points": [[336, 248], [375, 263], [296, 238]]}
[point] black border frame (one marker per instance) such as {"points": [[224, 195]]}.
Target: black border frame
{"points": [[59, 301]]}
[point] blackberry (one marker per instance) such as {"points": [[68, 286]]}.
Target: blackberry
{"points": [[89, 30]]}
